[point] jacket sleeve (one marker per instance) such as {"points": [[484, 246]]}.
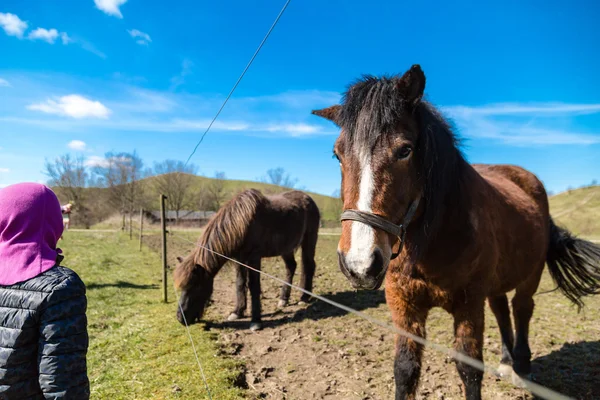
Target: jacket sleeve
{"points": [[64, 342]]}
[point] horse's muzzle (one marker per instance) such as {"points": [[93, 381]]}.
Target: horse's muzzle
{"points": [[189, 318], [370, 278]]}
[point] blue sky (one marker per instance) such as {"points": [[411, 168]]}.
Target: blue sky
{"points": [[520, 81]]}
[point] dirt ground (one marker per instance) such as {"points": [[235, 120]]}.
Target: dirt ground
{"points": [[320, 352]]}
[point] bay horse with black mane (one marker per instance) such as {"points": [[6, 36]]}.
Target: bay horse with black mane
{"points": [[249, 227], [442, 232]]}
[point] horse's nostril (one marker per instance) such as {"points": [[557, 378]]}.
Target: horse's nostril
{"points": [[376, 264]]}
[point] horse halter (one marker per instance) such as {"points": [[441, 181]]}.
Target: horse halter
{"points": [[377, 221]]}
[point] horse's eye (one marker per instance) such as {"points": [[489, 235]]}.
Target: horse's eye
{"points": [[336, 157], [403, 152]]}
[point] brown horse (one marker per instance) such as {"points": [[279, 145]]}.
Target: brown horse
{"points": [[461, 233], [249, 227]]}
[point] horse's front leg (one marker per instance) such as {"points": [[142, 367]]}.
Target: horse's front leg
{"points": [[468, 331], [241, 287], [407, 362], [254, 283]]}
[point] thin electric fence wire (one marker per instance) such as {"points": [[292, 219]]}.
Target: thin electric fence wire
{"points": [[187, 327], [534, 388], [239, 79]]}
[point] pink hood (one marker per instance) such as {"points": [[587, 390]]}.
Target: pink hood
{"points": [[30, 226]]}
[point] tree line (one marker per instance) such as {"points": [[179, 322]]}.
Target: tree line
{"points": [[117, 183]]}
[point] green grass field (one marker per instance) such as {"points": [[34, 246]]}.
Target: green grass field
{"points": [[138, 350]]}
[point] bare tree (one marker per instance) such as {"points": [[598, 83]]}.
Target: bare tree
{"points": [[68, 176], [215, 192], [120, 173], [278, 176], [175, 180]]}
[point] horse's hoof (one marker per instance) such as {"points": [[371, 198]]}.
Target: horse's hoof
{"points": [[233, 317], [282, 303], [255, 326], [518, 381], [505, 370]]}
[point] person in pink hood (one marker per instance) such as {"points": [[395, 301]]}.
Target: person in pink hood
{"points": [[43, 324]]}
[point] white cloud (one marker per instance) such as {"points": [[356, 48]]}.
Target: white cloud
{"points": [[200, 125], [524, 124], [44, 34], [143, 38], [110, 7], [12, 25], [294, 129], [74, 106], [103, 162], [549, 109], [4, 170], [4, 83], [96, 161], [49, 36], [290, 129], [77, 145], [65, 38]]}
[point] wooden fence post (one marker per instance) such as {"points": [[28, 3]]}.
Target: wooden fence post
{"points": [[141, 226], [163, 226], [130, 225]]}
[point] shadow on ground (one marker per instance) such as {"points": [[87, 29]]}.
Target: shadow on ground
{"points": [[574, 370], [315, 311], [121, 285]]}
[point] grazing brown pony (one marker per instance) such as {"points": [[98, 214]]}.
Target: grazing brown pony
{"points": [[249, 227], [456, 234]]}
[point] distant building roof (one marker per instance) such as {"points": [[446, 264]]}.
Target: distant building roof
{"points": [[185, 215]]}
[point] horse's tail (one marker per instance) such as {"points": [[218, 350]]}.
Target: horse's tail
{"points": [[574, 264]]}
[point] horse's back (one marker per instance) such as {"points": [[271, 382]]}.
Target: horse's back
{"points": [[296, 200], [524, 179], [283, 223]]}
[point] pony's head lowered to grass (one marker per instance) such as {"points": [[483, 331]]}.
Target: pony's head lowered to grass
{"points": [[224, 234], [196, 284]]}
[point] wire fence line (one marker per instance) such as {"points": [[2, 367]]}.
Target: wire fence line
{"points": [[187, 327], [240, 78], [536, 389]]}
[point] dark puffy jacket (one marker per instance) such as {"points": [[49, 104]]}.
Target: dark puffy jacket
{"points": [[43, 338]]}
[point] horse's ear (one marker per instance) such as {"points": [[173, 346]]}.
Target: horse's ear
{"points": [[331, 113], [180, 259], [412, 84]]}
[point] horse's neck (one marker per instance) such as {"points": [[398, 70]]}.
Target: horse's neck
{"points": [[456, 226], [214, 263]]}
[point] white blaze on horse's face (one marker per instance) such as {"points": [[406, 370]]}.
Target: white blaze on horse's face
{"points": [[362, 238]]}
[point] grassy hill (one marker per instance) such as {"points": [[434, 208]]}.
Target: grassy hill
{"points": [[99, 209], [578, 210], [330, 207]]}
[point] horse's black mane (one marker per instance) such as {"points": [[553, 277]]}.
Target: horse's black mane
{"points": [[373, 107]]}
